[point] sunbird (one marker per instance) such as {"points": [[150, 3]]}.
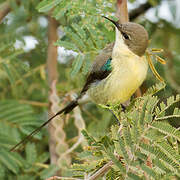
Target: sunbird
{"points": [[116, 73]]}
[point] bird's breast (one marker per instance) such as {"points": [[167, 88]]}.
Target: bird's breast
{"points": [[128, 73]]}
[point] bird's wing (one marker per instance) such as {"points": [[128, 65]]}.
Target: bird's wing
{"points": [[101, 67]]}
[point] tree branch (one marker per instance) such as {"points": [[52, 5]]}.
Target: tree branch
{"points": [[122, 11], [5, 9], [52, 77], [140, 10]]}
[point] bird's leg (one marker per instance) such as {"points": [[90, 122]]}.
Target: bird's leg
{"points": [[115, 117], [113, 109], [123, 107]]}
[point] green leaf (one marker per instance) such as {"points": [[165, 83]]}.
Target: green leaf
{"points": [[170, 101], [89, 139], [140, 155], [128, 140], [133, 176], [123, 149], [15, 54], [76, 66], [2, 171], [155, 152], [49, 171], [117, 162], [86, 64], [149, 171], [167, 129], [7, 160], [77, 40], [67, 45], [114, 132], [159, 164], [31, 154], [25, 176], [42, 158], [169, 151], [18, 159], [28, 129], [79, 31], [9, 73], [142, 116], [47, 5], [135, 130], [94, 37], [62, 9], [5, 141], [155, 88]]}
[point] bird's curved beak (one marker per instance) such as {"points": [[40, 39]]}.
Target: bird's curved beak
{"points": [[119, 26]]}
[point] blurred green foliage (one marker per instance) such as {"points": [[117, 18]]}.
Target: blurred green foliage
{"points": [[23, 73], [141, 135]]}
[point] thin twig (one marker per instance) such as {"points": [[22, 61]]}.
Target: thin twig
{"points": [[62, 178], [167, 117], [101, 171], [34, 103], [139, 10]]}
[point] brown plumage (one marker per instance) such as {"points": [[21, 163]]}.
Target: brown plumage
{"points": [[96, 73], [137, 40]]}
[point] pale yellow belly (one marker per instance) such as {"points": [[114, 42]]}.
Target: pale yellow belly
{"points": [[120, 85]]}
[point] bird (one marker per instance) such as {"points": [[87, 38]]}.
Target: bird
{"points": [[117, 72]]}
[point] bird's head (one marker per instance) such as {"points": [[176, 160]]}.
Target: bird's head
{"points": [[134, 36]]}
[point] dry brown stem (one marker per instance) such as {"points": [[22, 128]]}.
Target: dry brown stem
{"points": [[52, 77], [122, 11]]}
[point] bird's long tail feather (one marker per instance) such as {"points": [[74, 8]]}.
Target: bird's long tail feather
{"points": [[65, 110]]}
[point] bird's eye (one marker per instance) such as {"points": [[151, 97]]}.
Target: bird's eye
{"points": [[125, 36]]}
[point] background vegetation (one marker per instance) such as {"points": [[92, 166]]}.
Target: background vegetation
{"points": [[30, 86]]}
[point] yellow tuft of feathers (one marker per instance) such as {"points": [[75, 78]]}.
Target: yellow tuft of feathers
{"points": [[152, 53]]}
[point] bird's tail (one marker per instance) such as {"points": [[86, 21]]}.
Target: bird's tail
{"points": [[65, 110]]}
